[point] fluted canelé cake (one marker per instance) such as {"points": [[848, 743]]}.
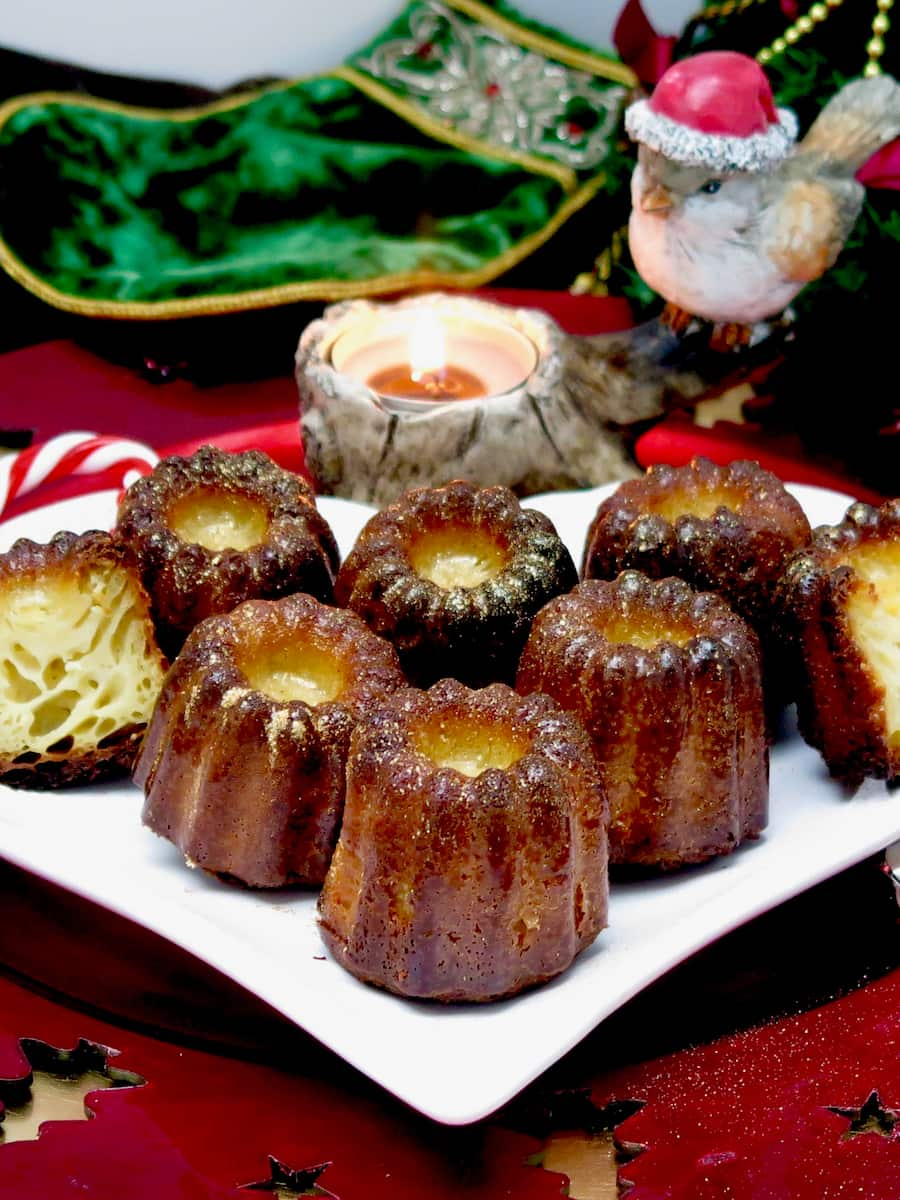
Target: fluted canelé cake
{"points": [[472, 861], [726, 529], [80, 669], [453, 577], [214, 529], [667, 682], [243, 763], [840, 601]]}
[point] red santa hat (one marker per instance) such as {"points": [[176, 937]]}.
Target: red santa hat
{"points": [[714, 110]]}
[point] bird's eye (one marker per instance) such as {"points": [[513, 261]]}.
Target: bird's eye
{"points": [[711, 187]]}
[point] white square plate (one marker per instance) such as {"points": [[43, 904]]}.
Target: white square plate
{"points": [[456, 1064]]}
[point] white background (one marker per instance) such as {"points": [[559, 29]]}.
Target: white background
{"points": [[219, 42]]}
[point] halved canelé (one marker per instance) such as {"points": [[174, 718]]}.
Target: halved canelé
{"points": [[213, 529], [243, 763], [840, 602], [472, 861], [726, 529], [667, 682], [80, 669], [453, 577]]}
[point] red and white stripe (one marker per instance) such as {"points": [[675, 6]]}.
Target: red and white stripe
{"points": [[68, 454]]}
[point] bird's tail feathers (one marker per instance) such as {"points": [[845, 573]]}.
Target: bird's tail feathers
{"points": [[858, 121]]}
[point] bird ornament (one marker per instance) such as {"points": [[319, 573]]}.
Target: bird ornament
{"points": [[731, 215]]}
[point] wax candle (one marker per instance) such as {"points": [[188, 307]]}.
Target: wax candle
{"points": [[417, 357]]}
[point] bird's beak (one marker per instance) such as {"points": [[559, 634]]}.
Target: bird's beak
{"points": [[657, 199]]}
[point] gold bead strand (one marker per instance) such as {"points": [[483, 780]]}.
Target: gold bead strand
{"points": [[875, 46], [712, 12], [800, 28]]}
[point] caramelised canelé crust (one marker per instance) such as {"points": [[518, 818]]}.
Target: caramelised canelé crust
{"points": [[80, 669], [667, 683], [246, 782], [512, 562], [472, 861], [192, 578], [726, 529], [839, 600]]}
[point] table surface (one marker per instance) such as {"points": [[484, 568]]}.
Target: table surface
{"points": [[726, 1072]]}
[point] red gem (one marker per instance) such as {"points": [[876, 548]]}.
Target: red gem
{"points": [[574, 130], [425, 50], [492, 89], [720, 92]]}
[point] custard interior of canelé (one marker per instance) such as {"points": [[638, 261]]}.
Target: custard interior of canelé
{"points": [[874, 615], [295, 670], [454, 556], [470, 746], [219, 520], [646, 630], [74, 666], [690, 502]]}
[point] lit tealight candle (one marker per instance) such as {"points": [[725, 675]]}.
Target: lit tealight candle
{"points": [[416, 358], [427, 375]]}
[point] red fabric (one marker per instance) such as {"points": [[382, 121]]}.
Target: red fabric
{"points": [[640, 47], [749, 1117], [280, 441], [58, 386], [676, 440], [719, 92], [882, 170], [204, 1126]]}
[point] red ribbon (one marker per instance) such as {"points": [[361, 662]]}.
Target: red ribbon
{"points": [[647, 52], [883, 169]]}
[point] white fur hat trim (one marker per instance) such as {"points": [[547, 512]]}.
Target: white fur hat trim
{"points": [[717, 151]]}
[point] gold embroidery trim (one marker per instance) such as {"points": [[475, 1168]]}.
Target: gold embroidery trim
{"points": [[443, 131], [582, 60], [10, 107], [310, 289]]}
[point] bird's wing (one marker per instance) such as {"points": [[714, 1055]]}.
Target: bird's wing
{"points": [[860, 119], [811, 221]]}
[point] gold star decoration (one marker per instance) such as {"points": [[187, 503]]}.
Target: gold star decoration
{"points": [[287, 1183], [579, 1139], [871, 1117], [55, 1087]]}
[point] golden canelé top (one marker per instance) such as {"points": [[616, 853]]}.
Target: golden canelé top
{"points": [[213, 529], [722, 528], [453, 576]]}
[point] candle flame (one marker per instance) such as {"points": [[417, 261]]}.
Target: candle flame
{"points": [[427, 345]]}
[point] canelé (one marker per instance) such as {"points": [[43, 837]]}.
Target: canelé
{"points": [[80, 669], [726, 529], [667, 683], [243, 762], [472, 861], [213, 529], [453, 577], [840, 602]]}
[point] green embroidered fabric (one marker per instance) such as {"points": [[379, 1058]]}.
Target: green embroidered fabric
{"points": [[352, 183]]}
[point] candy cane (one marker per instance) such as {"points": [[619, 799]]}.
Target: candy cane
{"points": [[72, 454]]}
